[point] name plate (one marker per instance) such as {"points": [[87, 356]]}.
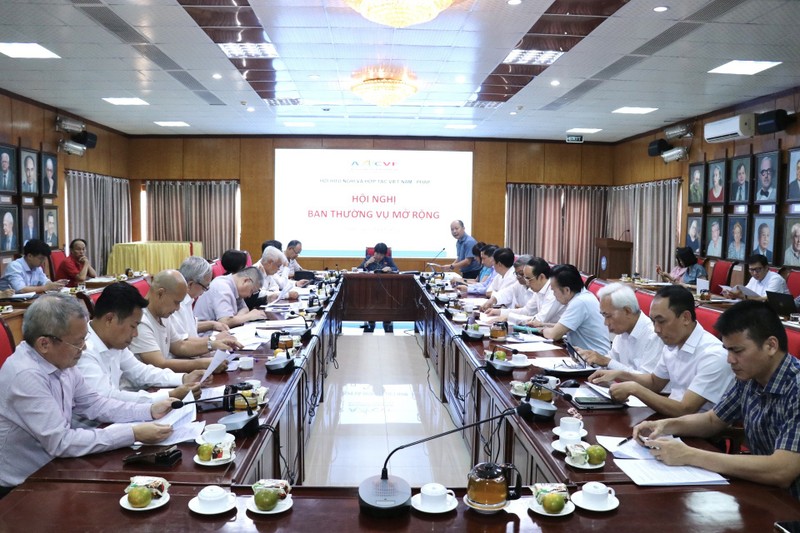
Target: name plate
{"points": [[47, 201], [695, 209], [27, 200], [766, 209], [740, 209], [717, 210], [5, 199], [794, 208]]}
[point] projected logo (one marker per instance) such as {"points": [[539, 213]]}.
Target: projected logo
{"points": [[372, 164]]}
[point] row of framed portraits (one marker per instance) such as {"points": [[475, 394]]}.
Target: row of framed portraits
{"points": [[735, 237], [28, 172], [744, 180], [21, 224]]}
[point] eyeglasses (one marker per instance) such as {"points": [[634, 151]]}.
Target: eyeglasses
{"points": [[59, 339], [765, 171], [520, 275], [756, 270], [205, 287]]}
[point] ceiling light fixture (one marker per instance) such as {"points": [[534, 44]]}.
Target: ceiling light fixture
{"points": [[626, 110], [747, 68], [125, 101], [676, 154], [532, 57], [555, 83], [382, 86], [171, 123], [399, 13], [27, 51], [660, 9], [678, 131], [249, 50], [69, 125], [584, 130], [71, 148]]}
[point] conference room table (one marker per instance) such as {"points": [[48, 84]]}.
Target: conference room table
{"points": [[88, 489]]}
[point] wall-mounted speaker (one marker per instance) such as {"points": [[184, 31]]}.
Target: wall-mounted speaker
{"points": [[86, 138], [658, 147], [772, 121]]}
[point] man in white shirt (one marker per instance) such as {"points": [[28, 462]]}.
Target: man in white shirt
{"points": [[762, 280], [197, 273], [272, 260], [110, 367], [636, 347], [504, 266], [693, 361], [513, 297], [159, 344], [580, 322], [293, 249], [542, 307]]}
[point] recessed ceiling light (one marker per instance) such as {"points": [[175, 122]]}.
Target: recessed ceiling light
{"points": [[635, 110], [217, 76], [251, 109], [313, 77], [125, 101], [584, 130], [532, 57], [248, 50], [461, 79], [513, 113], [555, 83], [660, 9], [27, 51], [172, 123], [461, 126], [299, 124], [514, 2], [744, 67]]}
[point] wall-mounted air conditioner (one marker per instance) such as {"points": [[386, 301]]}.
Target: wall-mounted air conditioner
{"points": [[729, 129]]}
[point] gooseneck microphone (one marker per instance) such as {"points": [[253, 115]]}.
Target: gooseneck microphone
{"points": [[541, 382], [435, 257], [387, 495], [177, 404]]}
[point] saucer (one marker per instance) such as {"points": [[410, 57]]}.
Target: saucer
{"points": [[585, 466], [518, 394], [559, 446], [537, 508], [577, 499], [228, 438], [484, 509], [154, 504], [416, 503], [557, 431], [214, 462], [194, 505], [283, 505], [458, 320], [520, 365]]}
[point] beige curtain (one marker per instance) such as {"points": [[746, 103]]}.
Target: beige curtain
{"points": [[99, 211], [656, 212], [584, 221], [619, 212], [534, 220], [193, 211]]}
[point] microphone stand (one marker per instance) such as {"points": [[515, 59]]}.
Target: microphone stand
{"points": [[387, 495], [240, 424]]}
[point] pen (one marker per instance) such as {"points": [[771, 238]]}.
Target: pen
{"points": [[623, 441]]}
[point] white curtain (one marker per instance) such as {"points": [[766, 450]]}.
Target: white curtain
{"points": [[534, 220], [98, 211], [619, 212], [656, 212], [584, 222]]}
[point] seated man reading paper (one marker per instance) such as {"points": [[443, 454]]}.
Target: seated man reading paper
{"points": [[765, 398]]}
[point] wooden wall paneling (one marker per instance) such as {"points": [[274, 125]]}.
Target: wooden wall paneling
{"points": [[257, 186], [525, 162], [791, 136], [155, 158], [298, 142], [27, 120], [211, 158], [450, 145], [622, 170], [597, 165], [488, 193], [350, 144], [136, 209], [6, 121], [382, 143], [109, 157], [562, 164]]}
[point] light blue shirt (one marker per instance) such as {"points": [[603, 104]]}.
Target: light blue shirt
{"points": [[19, 275], [464, 247], [585, 323]]}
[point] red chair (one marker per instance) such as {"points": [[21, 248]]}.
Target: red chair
{"points": [[7, 343], [595, 285], [793, 282], [794, 341], [707, 318], [645, 300], [217, 269], [143, 286], [89, 300], [720, 275], [371, 251], [56, 258], [587, 279]]}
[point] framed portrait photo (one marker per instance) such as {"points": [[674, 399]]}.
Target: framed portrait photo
{"points": [[767, 173], [29, 224], [48, 165], [8, 168], [717, 170], [9, 238], [28, 173], [740, 177], [764, 237], [791, 241], [793, 176], [737, 238], [49, 231], [694, 233], [697, 184], [714, 235]]}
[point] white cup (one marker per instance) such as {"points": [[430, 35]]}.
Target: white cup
{"points": [[597, 494], [246, 363], [256, 383], [569, 438], [469, 308], [213, 498], [570, 423], [435, 497], [553, 381], [214, 433], [519, 358]]}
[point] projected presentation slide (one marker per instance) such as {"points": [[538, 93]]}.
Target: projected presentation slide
{"points": [[338, 202]]}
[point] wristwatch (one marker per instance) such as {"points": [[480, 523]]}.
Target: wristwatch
{"points": [[208, 345]]}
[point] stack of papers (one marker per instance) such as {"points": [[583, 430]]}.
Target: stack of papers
{"points": [[530, 346], [606, 393]]}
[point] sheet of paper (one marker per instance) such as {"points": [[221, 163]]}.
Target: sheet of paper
{"points": [[632, 401], [655, 473], [531, 347], [218, 359], [212, 392], [296, 322], [561, 364], [628, 450], [184, 433], [21, 296]]}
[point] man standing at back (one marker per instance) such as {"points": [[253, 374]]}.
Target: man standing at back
{"points": [[465, 260]]}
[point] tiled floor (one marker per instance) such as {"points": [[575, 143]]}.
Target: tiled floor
{"points": [[378, 399]]}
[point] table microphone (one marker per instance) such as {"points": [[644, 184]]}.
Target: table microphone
{"points": [[541, 382], [387, 495], [177, 404]]}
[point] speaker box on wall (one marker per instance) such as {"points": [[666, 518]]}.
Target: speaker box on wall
{"points": [[657, 147], [772, 121], [86, 138]]}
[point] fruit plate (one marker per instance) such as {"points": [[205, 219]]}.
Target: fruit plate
{"points": [[537, 508], [228, 438], [559, 446], [154, 504], [215, 462], [585, 466], [283, 505]]}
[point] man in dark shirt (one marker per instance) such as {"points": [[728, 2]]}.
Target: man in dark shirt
{"points": [[378, 262]]}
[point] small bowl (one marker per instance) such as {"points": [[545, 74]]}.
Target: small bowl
{"points": [[473, 333]]}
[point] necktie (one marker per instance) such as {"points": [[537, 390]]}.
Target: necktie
{"points": [[740, 194]]}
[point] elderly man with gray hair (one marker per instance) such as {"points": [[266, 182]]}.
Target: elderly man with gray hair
{"points": [[272, 260], [225, 299], [40, 390], [197, 273], [636, 347]]}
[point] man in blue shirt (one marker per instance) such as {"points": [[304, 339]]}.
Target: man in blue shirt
{"points": [[26, 274], [378, 262], [466, 262], [765, 398]]}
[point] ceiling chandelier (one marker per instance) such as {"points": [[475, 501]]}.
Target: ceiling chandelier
{"points": [[399, 13], [382, 86]]}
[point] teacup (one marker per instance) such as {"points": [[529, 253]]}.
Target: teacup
{"points": [[214, 433], [552, 381], [213, 498], [435, 497], [570, 423], [569, 437], [519, 358], [597, 494], [246, 363]]}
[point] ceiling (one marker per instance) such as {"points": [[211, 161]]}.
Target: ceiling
{"points": [[628, 55]]}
